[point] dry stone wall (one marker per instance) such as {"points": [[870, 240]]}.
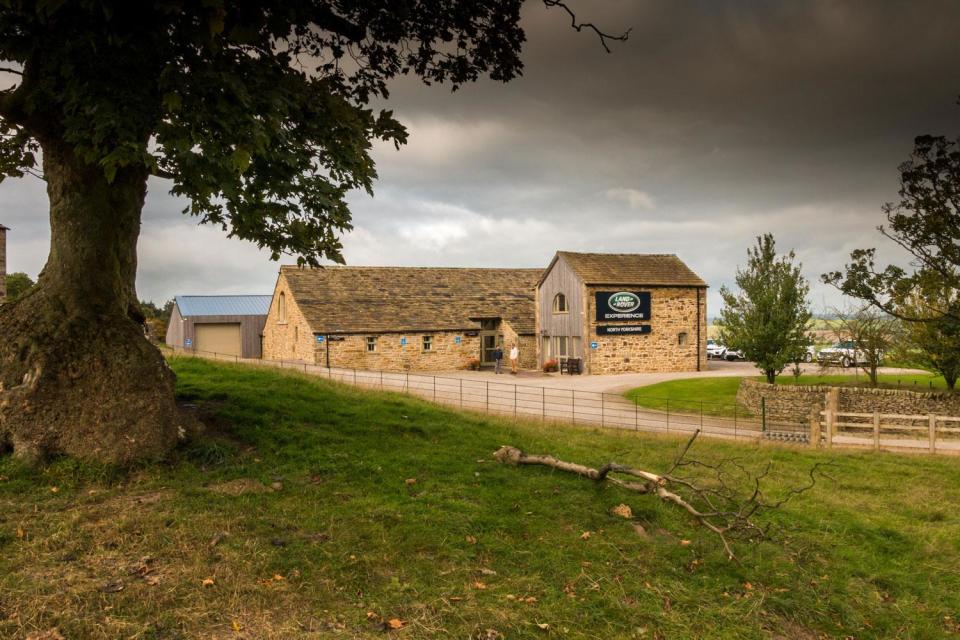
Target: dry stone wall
{"points": [[794, 403]]}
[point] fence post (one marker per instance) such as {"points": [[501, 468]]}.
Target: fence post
{"points": [[933, 433], [602, 410], [815, 427], [514, 401], [573, 405], [876, 431], [668, 414], [636, 416], [829, 421], [486, 397], [461, 393], [763, 414], [381, 379], [354, 377], [434, 388], [734, 420], [543, 404]]}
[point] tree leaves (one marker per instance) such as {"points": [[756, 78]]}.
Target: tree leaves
{"points": [[767, 319], [257, 112]]}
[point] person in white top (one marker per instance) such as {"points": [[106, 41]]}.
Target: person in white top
{"points": [[514, 355]]}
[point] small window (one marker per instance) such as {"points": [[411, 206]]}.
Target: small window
{"points": [[427, 343], [561, 344], [682, 339], [296, 333], [560, 303], [282, 308], [371, 344]]}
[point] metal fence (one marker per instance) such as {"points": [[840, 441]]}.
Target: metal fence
{"points": [[608, 410]]}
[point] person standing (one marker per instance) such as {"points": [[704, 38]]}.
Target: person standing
{"points": [[514, 356], [497, 358]]}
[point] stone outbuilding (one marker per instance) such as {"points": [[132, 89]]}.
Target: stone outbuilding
{"points": [[401, 318], [225, 325], [622, 313]]}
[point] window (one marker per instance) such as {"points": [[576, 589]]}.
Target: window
{"points": [[561, 344], [428, 343], [682, 339], [560, 303], [296, 333], [547, 352], [282, 308], [371, 344]]}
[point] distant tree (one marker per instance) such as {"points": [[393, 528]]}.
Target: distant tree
{"points": [[934, 344], [17, 285], [767, 319], [873, 332], [259, 116], [926, 223]]}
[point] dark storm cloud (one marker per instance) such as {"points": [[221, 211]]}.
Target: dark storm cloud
{"points": [[714, 122]]}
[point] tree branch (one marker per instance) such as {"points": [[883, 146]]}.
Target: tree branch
{"points": [[718, 508], [580, 26], [10, 70]]}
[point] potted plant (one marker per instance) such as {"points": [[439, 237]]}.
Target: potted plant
{"points": [[473, 364], [551, 365]]}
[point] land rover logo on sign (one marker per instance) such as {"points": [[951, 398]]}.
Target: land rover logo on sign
{"points": [[613, 306], [624, 302]]}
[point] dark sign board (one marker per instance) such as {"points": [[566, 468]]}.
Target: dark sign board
{"points": [[623, 305], [623, 330]]}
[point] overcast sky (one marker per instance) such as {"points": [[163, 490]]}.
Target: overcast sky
{"points": [[713, 123]]}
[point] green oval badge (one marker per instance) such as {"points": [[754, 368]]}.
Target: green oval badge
{"points": [[624, 301]]}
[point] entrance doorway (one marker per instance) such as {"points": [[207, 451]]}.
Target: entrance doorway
{"points": [[490, 339]]}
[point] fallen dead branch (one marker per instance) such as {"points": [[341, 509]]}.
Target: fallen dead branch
{"points": [[715, 505]]}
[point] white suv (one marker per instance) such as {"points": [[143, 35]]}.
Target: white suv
{"points": [[843, 353], [715, 349]]}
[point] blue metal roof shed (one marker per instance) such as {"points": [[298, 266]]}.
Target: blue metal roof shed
{"points": [[222, 325], [223, 305]]}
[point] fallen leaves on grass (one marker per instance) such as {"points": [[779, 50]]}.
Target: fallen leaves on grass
{"points": [[51, 634], [472, 539], [479, 585], [410, 481], [585, 535], [112, 587], [208, 582], [622, 510]]}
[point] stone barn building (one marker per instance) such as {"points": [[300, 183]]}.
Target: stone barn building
{"points": [[225, 325], [401, 318], [621, 313]]}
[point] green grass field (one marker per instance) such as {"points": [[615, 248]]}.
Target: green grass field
{"points": [[390, 508], [718, 396]]}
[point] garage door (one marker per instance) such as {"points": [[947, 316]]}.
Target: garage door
{"points": [[219, 338]]}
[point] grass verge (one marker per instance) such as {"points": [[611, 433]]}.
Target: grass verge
{"points": [[312, 510]]}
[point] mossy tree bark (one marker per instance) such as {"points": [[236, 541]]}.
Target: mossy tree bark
{"points": [[77, 375]]}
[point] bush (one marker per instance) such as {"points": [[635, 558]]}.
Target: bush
{"points": [[551, 365]]}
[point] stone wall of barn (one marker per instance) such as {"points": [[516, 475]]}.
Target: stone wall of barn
{"points": [[390, 354], [673, 311], [290, 337], [526, 344]]}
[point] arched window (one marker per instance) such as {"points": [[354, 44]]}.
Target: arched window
{"points": [[282, 308], [560, 303]]}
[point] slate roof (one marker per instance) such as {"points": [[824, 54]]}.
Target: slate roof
{"points": [[630, 269], [392, 299], [223, 305]]}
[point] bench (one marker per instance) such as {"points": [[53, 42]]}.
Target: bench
{"points": [[570, 365]]}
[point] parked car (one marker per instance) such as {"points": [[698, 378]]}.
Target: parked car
{"points": [[810, 354], [845, 354], [715, 349], [734, 354]]}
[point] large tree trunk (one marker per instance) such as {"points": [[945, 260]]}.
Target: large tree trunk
{"points": [[77, 375]]}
